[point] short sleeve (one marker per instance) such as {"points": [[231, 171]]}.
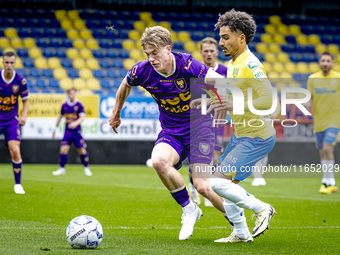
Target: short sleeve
{"points": [[196, 68], [133, 75], [24, 90], [81, 110]]}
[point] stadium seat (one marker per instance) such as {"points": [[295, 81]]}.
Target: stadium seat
{"points": [[302, 67], [111, 74], [310, 48], [313, 67], [165, 24], [60, 14], [290, 67], [116, 83], [98, 74], [308, 57], [40, 63], [47, 73], [78, 43], [314, 39], [86, 53], [261, 47], [34, 52], [98, 54], [104, 63], [54, 83], [267, 66], [128, 44], [48, 53], [99, 33], [23, 32], [72, 34], [135, 54], [197, 55], [43, 43], [85, 92], [60, 33], [134, 35], [125, 53], [66, 43], [22, 53], [53, 63], [59, 91], [320, 48], [333, 48], [79, 83], [178, 46], [66, 24], [279, 39], [93, 84], [190, 46], [92, 63], [274, 47], [197, 36], [270, 57], [282, 57], [105, 43], [10, 32], [105, 84], [270, 29], [34, 72], [294, 29], [92, 44], [73, 73], [67, 63], [59, 73], [46, 91], [40, 83], [21, 72], [85, 73], [118, 63], [85, 34], [290, 39], [16, 42], [183, 36], [278, 67], [79, 24], [28, 62], [78, 63], [296, 57], [266, 38], [4, 42], [66, 83], [302, 39], [55, 42], [30, 85], [117, 44], [273, 75], [275, 20]]}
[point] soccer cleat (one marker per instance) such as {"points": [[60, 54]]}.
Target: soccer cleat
{"points": [[87, 171], [328, 190], [262, 220], [18, 189], [188, 222], [258, 182], [207, 203], [195, 197], [233, 238], [60, 171]]}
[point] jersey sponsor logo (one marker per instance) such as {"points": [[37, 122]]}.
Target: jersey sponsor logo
{"points": [[187, 64], [23, 82], [181, 84], [231, 158], [324, 90], [204, 148], [8, 100], [235, 71], [259, 74], [15, 89], [253, 65], [176, 104]]}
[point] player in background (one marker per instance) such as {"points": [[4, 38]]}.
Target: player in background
{"points": [[209, 51], [248, 144], [324, 87], [166, 76], [12, 85], [74, 113]]}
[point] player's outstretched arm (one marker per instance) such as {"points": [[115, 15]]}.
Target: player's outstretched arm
{"points": [[56, 125], [121, 96], [77, 122], [23, 118]]}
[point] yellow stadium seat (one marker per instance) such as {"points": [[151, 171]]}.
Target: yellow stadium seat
{"points": [[11, 32], [128, 44], [283, 57], [174, 36], [320, 48], [85, 92], [16, 42], [66, 24], [314, 39], [78, 63], [274, 47], [279, 39], [66, 83], [294, 29], [278, 67], [78, 43], [85, 33], [337, 58], [165, 24], [92, 44], [135, 54], [73, 14], [128, 63], [85, 73], [283, 29], [53, 63], [301, 39], [34, 52], [266, 38], [273, 75], [86, 53], [151, 23], [93, 84], [190, 46], [18, 63], [72, 34], [72, 53], [60, 14], [4, 42], [40, 63], [267, 66], [290, 67], [59, 73], [333, 49], [139, 45], [139, 25], [183, 36], [287, 76], [79, 83], [145, 16], [92, 63], [313, 67], [336, 67], [134, 35], [261, 47], [302, 67], [275, 20], [197, 55], [270, 29], [79, 24], [29, 42], [270, 57], [1, 62]]}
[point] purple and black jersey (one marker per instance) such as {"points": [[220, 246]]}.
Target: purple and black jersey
{"points": [[221, 69], [72, 111], [173, 92], [9, 94]]}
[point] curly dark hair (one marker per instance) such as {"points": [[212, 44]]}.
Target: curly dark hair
{"points": [[238, 21]]}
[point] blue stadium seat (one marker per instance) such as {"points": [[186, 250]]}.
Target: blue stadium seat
{"points": [[202, 26], [122, 34], [326, 39], [117, 44], [59, 91], [2, 34], [21, 72], [178, 46], [19, 23], [48, 53], [50, 32], [260, 29], [123, 53], [98, 54], [43, 43], [98, 92], [34, 72], [23, 32], [336, 39], [29, 84], [33, 91], [252, 48], [92, 24], [298, 77], [105, 23], [60, 53], [221, 56], [67, 63], [159, 16], [310, 49], [117, 63], [40, 83], [98, 74], [290, 39], [32, 23], [99, 33], [54, 83], [73, 73], [105, 84], [319, 30], [111, 74], [197, 36], [178, 26], [47, 73], [104, 63], [258, 55], [55, 43], [256, 39], [28, 62], [288, 48], [308, 57], [67, 43], [112, 53], [299, 48], [122, 73], [307, 29], [105, 43], [37, 32], [22, 53], [296, 57], [46, 91], [61, 33]]}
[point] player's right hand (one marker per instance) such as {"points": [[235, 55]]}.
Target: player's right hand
{"points": [[53, 134], [114, 122]]}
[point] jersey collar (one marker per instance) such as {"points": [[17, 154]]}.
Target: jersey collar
{"points": [[71, 104], [216, 66], [166, 76], [244, 55], [3, 77]]}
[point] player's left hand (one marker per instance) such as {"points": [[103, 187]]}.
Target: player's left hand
{"points": [[22, 121], [226, 105], [72, 125]]}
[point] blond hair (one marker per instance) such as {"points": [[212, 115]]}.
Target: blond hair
{"points": [[157, 36], [209, 40]]}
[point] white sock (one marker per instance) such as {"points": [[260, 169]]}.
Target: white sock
{"points": [[264, 161], [241, 229], [257, 173], [62, 168], [189, 208], [328, 172]]}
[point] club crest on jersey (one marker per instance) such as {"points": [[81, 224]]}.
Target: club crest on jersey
{"points": [[219, 139], [23, 82], [181, 84], [235, 71], [204, 148], [15, 89], [134, 70]]}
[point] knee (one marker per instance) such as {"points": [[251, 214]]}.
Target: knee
{"points": [[159, 163], [327, 150], [15, 152], [203, 188]]}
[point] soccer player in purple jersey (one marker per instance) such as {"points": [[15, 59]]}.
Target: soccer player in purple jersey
{"points": [[12, 85], [166, 76], [74, 113], [209, 51]]}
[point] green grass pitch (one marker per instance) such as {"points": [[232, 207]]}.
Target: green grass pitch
{"points": [[139, 216]]}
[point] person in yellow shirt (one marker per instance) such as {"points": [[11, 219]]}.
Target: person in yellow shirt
{"points": [[326, 106]]}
